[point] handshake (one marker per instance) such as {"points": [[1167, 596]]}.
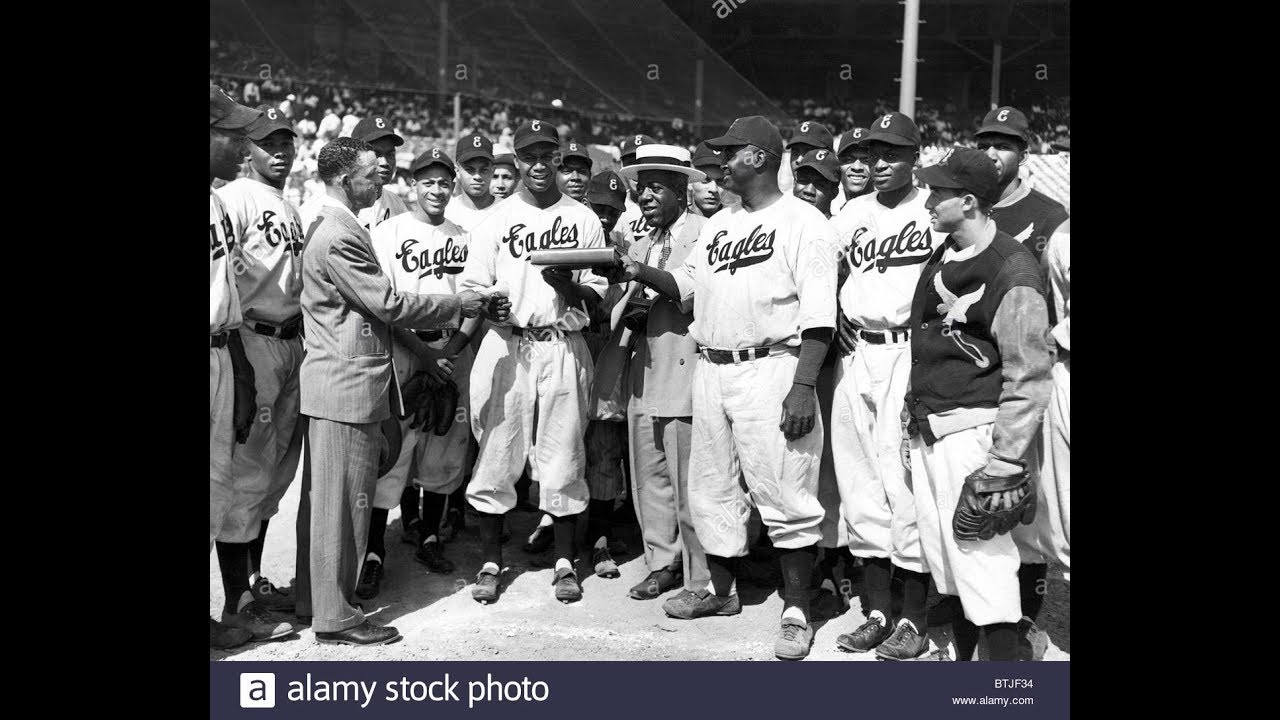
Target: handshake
{"points": [[492, 302]]}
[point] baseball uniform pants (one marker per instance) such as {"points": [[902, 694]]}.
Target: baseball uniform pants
{"points": [[660, 449], [737, 410], [222, 436], [264, 466], [1048, 538], [605, 446], [529, 402], [834, 528], [983, 573], [338, 486], [866, 439], [442, 460]]}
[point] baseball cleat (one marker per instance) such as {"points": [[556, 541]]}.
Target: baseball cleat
{"points": [[904, 644], [486, 588], [868, 635], [605, 567], [223, 637], [262, 623], [688, 605], [370, 580], [657, 583], [566, 586], [271, 597], [793, 640], [432, 556]]}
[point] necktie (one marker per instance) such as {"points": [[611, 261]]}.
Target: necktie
{"points": [[666, 249]]}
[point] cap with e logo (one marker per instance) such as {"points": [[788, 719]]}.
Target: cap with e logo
{"points": [[856, 137], [375, 127], [895, 129], [535, 131], [473, 146], [607, 188], [573, 148], [813, 133], [271, 120], [433, 156], [1006, 121], [822, 160]]}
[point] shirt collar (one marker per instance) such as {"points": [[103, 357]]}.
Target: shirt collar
{"points": [[326, 199], [1024, 189]]}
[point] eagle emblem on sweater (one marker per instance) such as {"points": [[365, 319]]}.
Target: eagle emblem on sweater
{"points": [[955, 308]]}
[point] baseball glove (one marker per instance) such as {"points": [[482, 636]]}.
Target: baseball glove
{"points": [[415, 392], [445, 402], [975, 518], [389, 441]]}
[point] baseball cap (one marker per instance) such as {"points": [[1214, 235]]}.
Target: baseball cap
{"points": [[503, 156], [964, 169], [373, 128], [270, 121], [607, 188], [751, 130], [895, 129], [535, 131], [434, 156], [573, 148], [631, 142], [473, 146], [227, 114], [811, 132], [1006, 120], [822, 160], [703, 155], [854, 138]]}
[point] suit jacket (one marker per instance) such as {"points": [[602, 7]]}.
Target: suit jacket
{"points": [[662, 367], [348, 305]]}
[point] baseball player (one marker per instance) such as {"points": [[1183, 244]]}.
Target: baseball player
{"points": [[632, 220], [505, 173], [816, 182], [764, 289], [855, 173], [979, 387], [423, 252], [475, 168], [231, 387], [607, 195], [885, 238], [659, 413], [1027, 214], [536, 368], [574, 170], [270, 248], [1032, 218], [705, 193], [810, 135]]}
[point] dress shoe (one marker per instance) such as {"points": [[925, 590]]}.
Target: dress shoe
{"points": [[657, 583], [222, 637], [366, 633]]}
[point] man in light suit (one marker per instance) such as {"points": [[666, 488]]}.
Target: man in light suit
{"points": [[349, 388], [659, 414]]}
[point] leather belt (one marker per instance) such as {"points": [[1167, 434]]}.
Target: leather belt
{"points": [[724, 357], [432, 335], [219, 340], [880, 338], [537, 333], [287, 331]]}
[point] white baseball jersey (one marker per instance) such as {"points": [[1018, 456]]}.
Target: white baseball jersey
{"points": [[761, 278], [420, 257], [632, 222], [224, 301], [271, 235], [388, 206], [886, 249], [461, 211], [500, 247]]}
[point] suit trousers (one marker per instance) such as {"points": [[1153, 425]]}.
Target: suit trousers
{"points": [[338, 483]]}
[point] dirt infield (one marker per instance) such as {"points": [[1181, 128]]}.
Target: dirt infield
{"points": [[440, 621]]}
